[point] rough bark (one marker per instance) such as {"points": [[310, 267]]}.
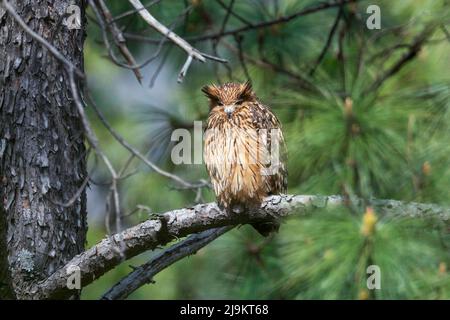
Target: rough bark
{"points": [[171, 225], [42, 152]]}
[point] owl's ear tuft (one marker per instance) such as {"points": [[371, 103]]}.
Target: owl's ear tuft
{"points": [[246, 91], [211, 92]]}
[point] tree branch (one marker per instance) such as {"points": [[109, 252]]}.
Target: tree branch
{"points": [[174, 224], [145, 273]]}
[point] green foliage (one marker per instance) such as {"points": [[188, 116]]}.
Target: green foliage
{"points": [[326, 258], [344, 137]]}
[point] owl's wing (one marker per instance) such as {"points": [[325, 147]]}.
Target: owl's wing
{"points": [[216, 153], [276, 171]]}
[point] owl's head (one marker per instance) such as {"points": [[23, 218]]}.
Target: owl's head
{"points": [[229, 96]]}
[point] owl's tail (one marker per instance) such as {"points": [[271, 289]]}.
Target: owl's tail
{"points": [[266, 228]]}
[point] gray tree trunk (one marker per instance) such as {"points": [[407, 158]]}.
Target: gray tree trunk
{"points": [[42, 152]]}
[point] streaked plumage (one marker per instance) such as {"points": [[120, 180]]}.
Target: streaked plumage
{"points": [[237, 153]]}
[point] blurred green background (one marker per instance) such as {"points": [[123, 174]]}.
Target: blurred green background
{"points": [[344, 136]]}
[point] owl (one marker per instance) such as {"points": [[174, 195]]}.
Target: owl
{"points": [[244, 150]]}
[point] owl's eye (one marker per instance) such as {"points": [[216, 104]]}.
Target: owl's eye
{"points": [[219, 103], [239, 101]]}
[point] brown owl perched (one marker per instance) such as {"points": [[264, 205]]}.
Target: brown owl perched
{"points": [[244, 150]]}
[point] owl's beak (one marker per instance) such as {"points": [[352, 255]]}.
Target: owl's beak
{"points": [[229, 110]]}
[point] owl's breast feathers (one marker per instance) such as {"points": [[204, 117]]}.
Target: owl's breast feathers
{"points": [[243, 165]]}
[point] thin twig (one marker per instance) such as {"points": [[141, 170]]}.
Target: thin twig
{"points": [[118, 37], [341, 58], [183, 44], [215, 42], [90, 135], [110, 50], [227, 16], [234, 14], [387, 51], [303, 82], [133, 150], [327, 43], [260, 25], [283, 19], [239, 39], [180, 42], [414, 49], [184, 69], [131, 12], [76, 195], [159, 67]]}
